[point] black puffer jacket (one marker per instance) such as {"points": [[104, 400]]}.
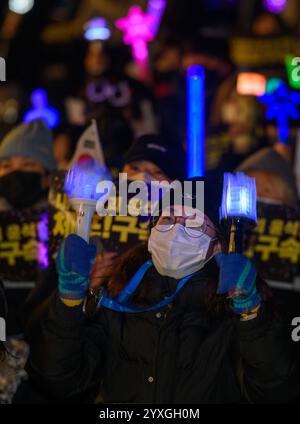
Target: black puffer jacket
{"points": [[177, 355]]}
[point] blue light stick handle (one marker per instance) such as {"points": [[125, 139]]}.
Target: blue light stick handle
{"points": [[84, 218], [236, 236]]}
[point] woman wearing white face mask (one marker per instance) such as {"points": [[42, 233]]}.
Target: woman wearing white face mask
{"points": [[182, 245], [163, 334]]}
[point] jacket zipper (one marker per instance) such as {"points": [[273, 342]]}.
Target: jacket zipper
{"points": [[165, 313]]}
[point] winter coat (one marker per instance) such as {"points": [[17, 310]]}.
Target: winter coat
{"points": [[180, 354]]}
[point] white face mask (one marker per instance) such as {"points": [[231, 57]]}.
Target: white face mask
{"points": [[176, 254]]}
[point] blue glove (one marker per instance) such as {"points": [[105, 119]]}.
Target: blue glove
{"points": [[74, 262], [238, 279]]}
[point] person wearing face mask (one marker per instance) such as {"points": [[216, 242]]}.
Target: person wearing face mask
{"points": [[26, 158], [178, 249], [149, 159], [178, 322]]}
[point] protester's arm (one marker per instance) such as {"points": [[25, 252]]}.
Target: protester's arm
{"points": [[67, 353], [39, 297], [269, 368], [270, 372]]}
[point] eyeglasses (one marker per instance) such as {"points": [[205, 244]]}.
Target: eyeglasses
{"points": [[166, 223]]}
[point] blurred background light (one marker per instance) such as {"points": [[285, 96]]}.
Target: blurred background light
{"points": [[195, 121], [20, 6], [43, 235], [292, 68], [156, 9], [281, 106], [275, 6], [97, 29], [137, 31], [273, 84], [251, 84], [41, 110]]}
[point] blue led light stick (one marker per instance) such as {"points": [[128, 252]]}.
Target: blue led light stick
{"points": [[156, 9], [238, 208], [81, 188], [195, 121]]}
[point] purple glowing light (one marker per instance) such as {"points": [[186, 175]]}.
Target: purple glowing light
{"points": [[43, 228], [97, 30], [140, 50], [156, 9], [43, 235], [137, 28], [275, 6], [117, 95], [43, 257], [41, 110]]}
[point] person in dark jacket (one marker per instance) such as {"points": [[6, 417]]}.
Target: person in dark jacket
{"points": [[147, 160], [180, 322], [26, 161]]}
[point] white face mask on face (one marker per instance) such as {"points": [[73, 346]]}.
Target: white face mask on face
{"points": [[176, 254]]}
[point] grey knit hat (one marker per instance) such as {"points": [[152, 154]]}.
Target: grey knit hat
{"points": [[267, 159], [32, 140]]}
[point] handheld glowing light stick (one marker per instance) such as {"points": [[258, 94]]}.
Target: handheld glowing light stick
{"points": [[281, 106], [41, 109], [97, 29], [156, 9], [137, 28], [195, 121], [81, 187], [238, 208]]}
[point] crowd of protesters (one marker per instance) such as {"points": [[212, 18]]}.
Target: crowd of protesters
{"points": [[200, 325]]}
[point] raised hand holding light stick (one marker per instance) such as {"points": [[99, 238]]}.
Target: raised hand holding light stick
{"points": [[238, 208], [81, 188]]}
